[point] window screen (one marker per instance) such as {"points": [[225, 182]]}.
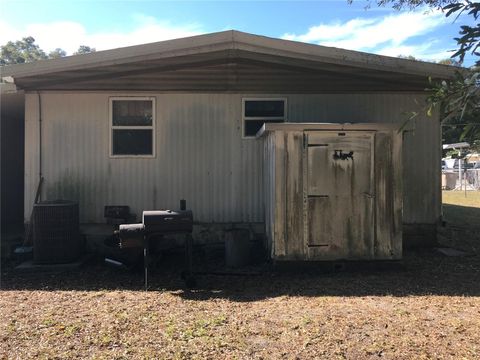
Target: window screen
{"points": [[256, 112], [132, 122]]}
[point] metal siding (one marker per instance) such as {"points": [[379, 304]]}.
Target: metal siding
{"points": [[31, 152], [200, 154]]}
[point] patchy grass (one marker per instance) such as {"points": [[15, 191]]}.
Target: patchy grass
{"points": [[428, 310]]}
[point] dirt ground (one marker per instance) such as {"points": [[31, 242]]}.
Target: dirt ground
{"points": [[429, 308]]}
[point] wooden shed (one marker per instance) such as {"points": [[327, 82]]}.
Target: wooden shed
{"points": [[333, 191]]}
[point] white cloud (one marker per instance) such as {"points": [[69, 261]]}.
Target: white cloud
{"points": [[385, 35], [69, 35]]}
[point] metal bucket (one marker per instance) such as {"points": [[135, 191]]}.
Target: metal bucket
{"points": [[237, 248]]}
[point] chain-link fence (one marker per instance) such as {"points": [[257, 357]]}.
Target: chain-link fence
{"points": [[470, 180]]}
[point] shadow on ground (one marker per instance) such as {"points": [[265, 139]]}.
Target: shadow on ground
{"points": [[462, 216], [422, 272]]}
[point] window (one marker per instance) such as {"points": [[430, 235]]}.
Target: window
{"points": [[256, 112], [132, 127]]}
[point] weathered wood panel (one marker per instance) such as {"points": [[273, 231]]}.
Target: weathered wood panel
{"points": [[384, 195], [398, 194], [270, 192], [295, 245], [280, 235], [352, 205], [341, 173], [321, 229]]}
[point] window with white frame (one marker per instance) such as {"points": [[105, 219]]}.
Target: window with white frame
{"points": [[257, 111], [132, 121]]}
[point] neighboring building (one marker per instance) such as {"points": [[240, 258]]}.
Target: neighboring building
{"points": [[148, 125]]}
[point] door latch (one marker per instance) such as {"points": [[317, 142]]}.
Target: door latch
{"points": [[340, 155]]}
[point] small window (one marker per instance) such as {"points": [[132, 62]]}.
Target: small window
{"points": [[256, 112], [132, 126]]}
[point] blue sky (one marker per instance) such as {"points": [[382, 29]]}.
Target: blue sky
{"points": [[109, 24]]}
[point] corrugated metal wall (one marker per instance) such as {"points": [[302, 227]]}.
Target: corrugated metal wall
{"points": [[200, 155]]}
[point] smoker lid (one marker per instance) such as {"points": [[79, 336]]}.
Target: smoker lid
{"points": [[153, 217]]}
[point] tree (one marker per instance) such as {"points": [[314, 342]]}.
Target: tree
{"points": [[408, 57], [25, 50], [450, 61], [57, 53], [21, 51], [84, 49], [412, 4]]}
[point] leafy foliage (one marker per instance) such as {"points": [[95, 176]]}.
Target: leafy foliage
{"points": [[411, 4], [25, 51], [459, 98], [21, 51], [57, 53], [469, 41], [84, 49]]}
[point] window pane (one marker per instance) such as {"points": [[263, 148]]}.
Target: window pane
{"points": [[264, 108], [252, 126], [132, 112], [132, 142]]}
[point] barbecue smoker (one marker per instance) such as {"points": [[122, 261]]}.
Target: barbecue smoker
{"points": [[154, 225]]}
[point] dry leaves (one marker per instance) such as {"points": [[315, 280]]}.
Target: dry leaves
{"points": [[429, 310]]}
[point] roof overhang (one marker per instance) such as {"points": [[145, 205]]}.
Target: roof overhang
{"points": [[216, 49], [455, 146]]}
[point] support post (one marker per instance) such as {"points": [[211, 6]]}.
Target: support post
{"points": [[187, 274], [460, 177], [188, 254]]}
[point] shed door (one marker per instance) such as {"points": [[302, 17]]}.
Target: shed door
{"points": [[339, 219]]}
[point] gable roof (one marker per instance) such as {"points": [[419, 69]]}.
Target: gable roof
{"points": [[217, 50]]}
